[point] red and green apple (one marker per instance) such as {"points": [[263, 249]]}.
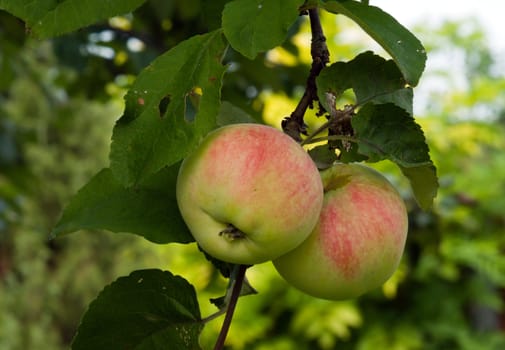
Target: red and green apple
{"points": [[249, 193], [359, 239]]}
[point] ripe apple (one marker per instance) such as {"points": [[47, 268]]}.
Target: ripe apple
{"points": [[359, 239], [249, 193]]}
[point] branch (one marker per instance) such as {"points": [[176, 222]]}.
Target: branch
{"points": [[235, 293], [294, 125]]}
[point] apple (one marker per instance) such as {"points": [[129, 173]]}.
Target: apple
{"points": [[249, 193], [359, 239]]}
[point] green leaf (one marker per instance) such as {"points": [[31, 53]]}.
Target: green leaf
{"points": [[47, 18], [246, 289], [423, 180], [323, 156], [171, 106], [149, 210], [231, 114], [371, 77], [149, 309], [388, 132], [405, 49], [254, 26], [212, 11]]}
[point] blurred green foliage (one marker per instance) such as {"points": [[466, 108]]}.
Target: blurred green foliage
{"points": [[60, 98]]}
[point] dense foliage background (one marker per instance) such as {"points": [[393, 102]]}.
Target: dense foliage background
{"points": [[59, 100]]}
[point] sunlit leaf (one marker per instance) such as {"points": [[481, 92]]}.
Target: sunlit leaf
{"points": [[149, 210], [254, 26], [406, 50], [170, 107], [484, 255], [49, 18], [149, 309]]}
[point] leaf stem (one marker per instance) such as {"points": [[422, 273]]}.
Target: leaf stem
{"points": [[336, 118], [330, 138], [213, 316], [237, 279], [345, 138], [294, 125], [309, 139]]}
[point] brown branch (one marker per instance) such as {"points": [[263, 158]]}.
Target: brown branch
{"points": [[294, 125], [237, 287]]}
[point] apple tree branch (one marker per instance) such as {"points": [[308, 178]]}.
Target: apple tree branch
{"points": [[294, 125]]}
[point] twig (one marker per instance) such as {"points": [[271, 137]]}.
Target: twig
{"points": [[308, 139], [294, 125], [337, 120], [237, 286]]}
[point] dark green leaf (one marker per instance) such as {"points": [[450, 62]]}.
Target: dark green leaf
{"points": [[371, 77], [254, 26], [170, 107], [149, 210], [388, 132], [231, 114], [149, 309], [350, 153], [406, 50], [323, 156], [212, 12], [49, 18]]}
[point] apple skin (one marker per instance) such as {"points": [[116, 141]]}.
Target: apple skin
{"points": [[359, 239], [257, 179]]}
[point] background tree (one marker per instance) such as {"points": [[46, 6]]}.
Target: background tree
{"points": [[59, 100]]}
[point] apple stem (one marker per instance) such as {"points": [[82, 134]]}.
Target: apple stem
{"points": [[294, 125], [236, 279]]}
